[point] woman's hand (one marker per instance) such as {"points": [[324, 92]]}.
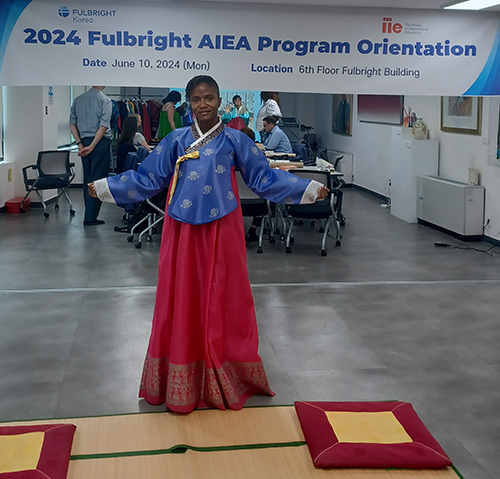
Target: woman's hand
{"points": [[92, 190], [322, 193]]}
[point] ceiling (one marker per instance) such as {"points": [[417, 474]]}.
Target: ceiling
{"points": [[353, 4]]}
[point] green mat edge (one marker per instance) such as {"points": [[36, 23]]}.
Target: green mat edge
{"points": [[182, 448]]}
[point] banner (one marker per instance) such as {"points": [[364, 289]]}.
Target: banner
{"points": [[163, 45]]}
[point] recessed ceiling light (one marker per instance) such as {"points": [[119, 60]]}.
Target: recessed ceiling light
{"points": [[473, 5]]}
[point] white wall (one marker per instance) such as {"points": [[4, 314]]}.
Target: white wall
{"points": [[23, 130], [6, 187], [30, 126], [371, 146], [33, 123], [302, 106], [62, 105]]}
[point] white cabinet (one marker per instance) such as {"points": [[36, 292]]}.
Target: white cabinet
{"points": [[410, 159]]}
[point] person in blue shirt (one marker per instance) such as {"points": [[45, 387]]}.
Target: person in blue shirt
{"points": [[90, 124], [276, 139]]}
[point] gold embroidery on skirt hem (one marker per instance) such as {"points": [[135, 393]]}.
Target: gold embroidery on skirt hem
{"points": [[182, 385]]}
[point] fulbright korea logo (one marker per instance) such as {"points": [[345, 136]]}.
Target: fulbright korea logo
{"points": [[82, 15], [63, 12]]}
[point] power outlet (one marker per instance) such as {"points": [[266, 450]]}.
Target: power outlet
{"points": [[488, 223], [9, 175]]}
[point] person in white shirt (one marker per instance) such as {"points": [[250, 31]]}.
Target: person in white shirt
{"points": [[271, 107]]}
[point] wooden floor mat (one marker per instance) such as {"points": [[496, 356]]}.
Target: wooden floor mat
{"points": [[277, 463], [248, 444], [201, 428]]}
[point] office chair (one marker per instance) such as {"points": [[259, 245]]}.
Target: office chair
{"points": [[303, 154], [154, 210], [338, 183], [310, 139], [254, 205], [324, 209], [132, 161], [121, 157], [53, 172], [323, 153]]}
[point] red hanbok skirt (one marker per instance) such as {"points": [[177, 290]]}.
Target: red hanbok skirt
{"points": [[203, 349]]}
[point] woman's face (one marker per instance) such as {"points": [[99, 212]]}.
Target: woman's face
{"points": [[237, 102], [205, 102], [139, 122]]}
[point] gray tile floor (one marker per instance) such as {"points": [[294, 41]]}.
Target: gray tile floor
{"points": [[386, 316]]}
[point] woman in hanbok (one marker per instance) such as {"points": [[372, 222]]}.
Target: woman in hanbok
{"points": [[238, 110], [203, 349]]}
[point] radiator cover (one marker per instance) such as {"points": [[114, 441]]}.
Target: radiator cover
{"points": [[451, 205]]}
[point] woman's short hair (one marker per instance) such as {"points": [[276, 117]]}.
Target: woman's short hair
{"points": [[173, 96], [236, 97], [195, 81], [249, 132]]}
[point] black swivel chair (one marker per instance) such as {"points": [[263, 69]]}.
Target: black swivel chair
{"points": [[121, 157], [337, 184], [152, 211], [303, 154], [254, 205], [323, 209], [53, 172]]}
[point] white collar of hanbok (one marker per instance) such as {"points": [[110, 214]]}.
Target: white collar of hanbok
{"points": [[201, 139]]}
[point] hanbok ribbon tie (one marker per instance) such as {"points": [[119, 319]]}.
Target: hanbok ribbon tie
{"points": [[188, 156]]}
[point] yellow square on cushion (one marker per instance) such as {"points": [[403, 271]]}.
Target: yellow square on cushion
{"points": [[367, 427], [20, 452]]}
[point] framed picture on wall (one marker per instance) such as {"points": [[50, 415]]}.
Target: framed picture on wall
{"points": [[386, 109], [342, 114], [461, 114]]}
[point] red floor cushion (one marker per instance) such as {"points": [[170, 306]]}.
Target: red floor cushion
{"points": [[35, 452], [368, 434]]}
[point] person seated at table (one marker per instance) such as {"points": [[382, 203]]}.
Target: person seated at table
{"points": [[251, 235], [276, 139], [237, 110], [249, 132], [129, 140]]}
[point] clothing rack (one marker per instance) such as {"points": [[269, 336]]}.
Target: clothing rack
{"points": [[134, 97]]}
